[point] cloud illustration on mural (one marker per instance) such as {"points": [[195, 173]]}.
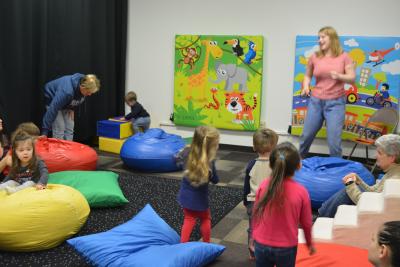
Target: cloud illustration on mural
{"points": [[351, 42], [392, 67]]}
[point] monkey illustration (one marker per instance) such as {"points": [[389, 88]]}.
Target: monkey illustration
{"points": [[190, 56]]}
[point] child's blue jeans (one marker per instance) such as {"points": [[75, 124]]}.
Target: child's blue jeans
{"points": [[267, 256], [250, 241], [140, 123]]}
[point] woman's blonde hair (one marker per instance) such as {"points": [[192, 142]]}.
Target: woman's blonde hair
{"points": [[335, 46], [90, 82], [202, 151]]}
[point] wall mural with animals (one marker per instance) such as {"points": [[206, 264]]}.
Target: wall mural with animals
{"points": [[218, 80], [377, 85]]}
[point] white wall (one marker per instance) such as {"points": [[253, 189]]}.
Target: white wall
{"points": [[153, 25]]}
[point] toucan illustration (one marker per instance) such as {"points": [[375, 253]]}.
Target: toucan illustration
{"points": [[237, 49]]}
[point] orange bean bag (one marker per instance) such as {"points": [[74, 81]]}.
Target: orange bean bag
{"points": [[332, 255], [62, 155]]}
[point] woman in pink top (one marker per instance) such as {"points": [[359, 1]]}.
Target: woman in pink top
{"points": [[280, 205], [332, 68]]}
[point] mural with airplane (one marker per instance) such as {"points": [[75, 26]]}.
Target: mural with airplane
{"points": [[377, 85]]}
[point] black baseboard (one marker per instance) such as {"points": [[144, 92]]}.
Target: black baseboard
{"points": [[236, 148]]}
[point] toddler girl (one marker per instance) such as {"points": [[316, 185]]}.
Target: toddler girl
{"points": [[200, 170], [26, 169]]}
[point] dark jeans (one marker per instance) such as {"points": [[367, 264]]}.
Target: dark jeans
{"points": [[329, 207], [267, 256], [249, 209]]}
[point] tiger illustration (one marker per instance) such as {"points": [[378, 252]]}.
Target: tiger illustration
{"points": [[235, 103]]}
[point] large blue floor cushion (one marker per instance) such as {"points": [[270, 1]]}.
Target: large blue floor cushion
{"points": [[145, 240], [322, 176], [152, 151]]}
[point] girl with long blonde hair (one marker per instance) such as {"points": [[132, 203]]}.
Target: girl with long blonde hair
{"points": [[200, 170]]}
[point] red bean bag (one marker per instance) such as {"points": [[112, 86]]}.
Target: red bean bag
{"points": [[332, 255], [61, 155]]}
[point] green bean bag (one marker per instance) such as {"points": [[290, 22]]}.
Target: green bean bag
{"points": [[100, 188]]}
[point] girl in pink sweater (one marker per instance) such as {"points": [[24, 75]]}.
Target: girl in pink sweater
{"points": [[281, 205]]}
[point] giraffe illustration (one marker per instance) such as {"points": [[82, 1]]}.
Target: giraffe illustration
{"points": [[199, 80]]}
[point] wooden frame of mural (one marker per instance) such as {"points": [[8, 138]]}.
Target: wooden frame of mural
{"points": [[218, 80], [377, 85]]}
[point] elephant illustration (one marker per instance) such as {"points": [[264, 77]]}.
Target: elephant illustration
{"points": [[232, 74]]}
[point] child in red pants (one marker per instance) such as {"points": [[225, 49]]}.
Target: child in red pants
{"points": [[200, 170]]}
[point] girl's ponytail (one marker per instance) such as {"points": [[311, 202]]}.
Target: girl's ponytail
{"points": [[279, 169], [284, 160], [202, 151], [203, 155]]}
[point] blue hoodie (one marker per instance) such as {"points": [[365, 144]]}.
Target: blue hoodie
{"points": [[196, 197], [62, 93]]}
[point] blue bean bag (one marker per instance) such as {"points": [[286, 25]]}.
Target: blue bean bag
{"points": [[322, 176], [145, 240], [152, 151]]}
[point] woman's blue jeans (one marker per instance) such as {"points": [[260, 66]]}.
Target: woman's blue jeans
{"points": [[330, 206], [267, 256], [333, 112]]}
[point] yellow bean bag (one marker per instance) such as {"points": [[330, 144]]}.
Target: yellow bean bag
{"points": [[32, 220]]}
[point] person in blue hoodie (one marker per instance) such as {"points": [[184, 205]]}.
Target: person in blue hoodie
{"points": [[62, 96]]}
